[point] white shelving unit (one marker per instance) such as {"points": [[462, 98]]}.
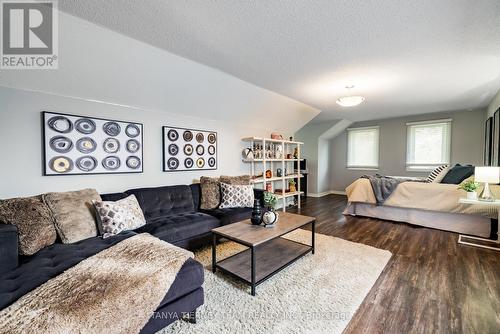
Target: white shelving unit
{"points": [[274, 163]]}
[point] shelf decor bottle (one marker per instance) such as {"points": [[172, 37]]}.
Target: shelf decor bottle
{"points": [[256, 218]]}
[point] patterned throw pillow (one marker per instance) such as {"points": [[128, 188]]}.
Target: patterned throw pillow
{"points": [[236, 196], [122, 215], [438, 174]]}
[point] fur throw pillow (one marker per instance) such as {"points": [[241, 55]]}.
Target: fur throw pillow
{"points": [[240, 180], [122, 215], [33, 220], [73, 214], [236, 196], [210, 193]]}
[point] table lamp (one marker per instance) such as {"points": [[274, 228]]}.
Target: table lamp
{"points": [[487, 175]]}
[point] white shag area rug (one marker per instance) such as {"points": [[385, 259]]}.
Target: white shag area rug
{"points": [[317, 294]]}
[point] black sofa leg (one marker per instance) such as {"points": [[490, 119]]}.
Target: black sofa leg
{"points": [[190, 317]]}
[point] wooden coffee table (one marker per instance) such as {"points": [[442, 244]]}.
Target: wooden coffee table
{"points": [[267, 252]]}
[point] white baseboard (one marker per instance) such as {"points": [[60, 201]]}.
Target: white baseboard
{"points": [[328, 192]]}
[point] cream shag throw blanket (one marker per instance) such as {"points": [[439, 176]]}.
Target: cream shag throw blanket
{"points": [[114, 291]]}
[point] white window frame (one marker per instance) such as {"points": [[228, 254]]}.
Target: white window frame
{"points": [[377, 147], [446, 157]]}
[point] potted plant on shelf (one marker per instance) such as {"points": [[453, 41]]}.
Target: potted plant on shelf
{"points": [[271, 216], [470, 186]]}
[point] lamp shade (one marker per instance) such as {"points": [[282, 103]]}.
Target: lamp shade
{"points": [[487, 174]]}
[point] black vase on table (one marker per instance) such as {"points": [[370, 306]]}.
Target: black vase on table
{"points": [[256, 218]]}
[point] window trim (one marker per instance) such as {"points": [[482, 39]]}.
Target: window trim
{"points": [[357, 167], [421, 167]]}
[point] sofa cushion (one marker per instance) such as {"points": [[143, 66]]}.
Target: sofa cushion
{"points": [[9, 250], [37, 269], [181, 226], [163, 201], [73, 213], [188, 279], [33, 220], [230, 215]]}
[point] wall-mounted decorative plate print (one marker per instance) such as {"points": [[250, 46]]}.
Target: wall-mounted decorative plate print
{"points": [[173, 135], [200, 137], [86, 163], [112, 129], [79, 145], [212, 138], [86, 145], [61, 165], [188, 163], [111, 163], [187, 135], [111, 145], [85, 126], [173, 163], [173, 149], [61, 144], [133, 162], [200, 149], [189, 149], [133, 145], [60, 124], [132, 130]]}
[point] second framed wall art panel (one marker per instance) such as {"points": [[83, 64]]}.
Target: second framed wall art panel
{"points": [[189, 149], [78, 145]]}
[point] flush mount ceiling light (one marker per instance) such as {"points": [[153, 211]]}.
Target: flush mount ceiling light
{"points": [[351, 100]]}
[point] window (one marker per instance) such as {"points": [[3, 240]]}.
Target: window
{"points": [[362, 148], [428, 144]]}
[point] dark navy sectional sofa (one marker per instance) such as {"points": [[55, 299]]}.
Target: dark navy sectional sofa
{"points": [[172, 214]]}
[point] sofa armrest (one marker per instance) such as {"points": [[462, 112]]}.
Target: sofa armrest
{"points": [[259, 194], [8, 248]]}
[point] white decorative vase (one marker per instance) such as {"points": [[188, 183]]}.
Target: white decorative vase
{"points": [[472, 195]]}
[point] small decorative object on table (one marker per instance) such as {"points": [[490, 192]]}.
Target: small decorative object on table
{"points": [[487, 175], [271, 216], [470, 186], [291, 185], [256, 218]]}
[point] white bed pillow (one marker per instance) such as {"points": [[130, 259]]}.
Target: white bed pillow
{"points": [[438, 174]]}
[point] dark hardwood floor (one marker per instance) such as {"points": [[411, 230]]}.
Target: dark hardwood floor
{"points": [[430, 285]]}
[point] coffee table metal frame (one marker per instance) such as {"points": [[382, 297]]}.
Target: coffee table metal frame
{"points": [[252, 282]]}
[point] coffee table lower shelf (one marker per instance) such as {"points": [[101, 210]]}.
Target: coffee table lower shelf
{"points": [[269, 258]]}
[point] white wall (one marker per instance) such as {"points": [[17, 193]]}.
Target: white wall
{"points": [[139, 83], [494, 104]]}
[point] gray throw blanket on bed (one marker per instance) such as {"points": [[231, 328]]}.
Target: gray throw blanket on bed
{"points": [[383, 186]]}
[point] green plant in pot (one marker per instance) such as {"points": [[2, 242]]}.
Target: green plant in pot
{"points": [[271, 216], [470, 186]]}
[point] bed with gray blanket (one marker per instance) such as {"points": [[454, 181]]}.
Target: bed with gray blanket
{"points": [[434, 205]]}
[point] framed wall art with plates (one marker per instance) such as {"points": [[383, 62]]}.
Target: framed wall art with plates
{"points": [[189, 149], [80, 145]]}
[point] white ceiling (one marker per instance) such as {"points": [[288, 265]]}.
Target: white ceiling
{"points": [[405, 57]]}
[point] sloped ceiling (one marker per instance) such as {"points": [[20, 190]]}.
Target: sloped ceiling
{"points": [[405, 57]]}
